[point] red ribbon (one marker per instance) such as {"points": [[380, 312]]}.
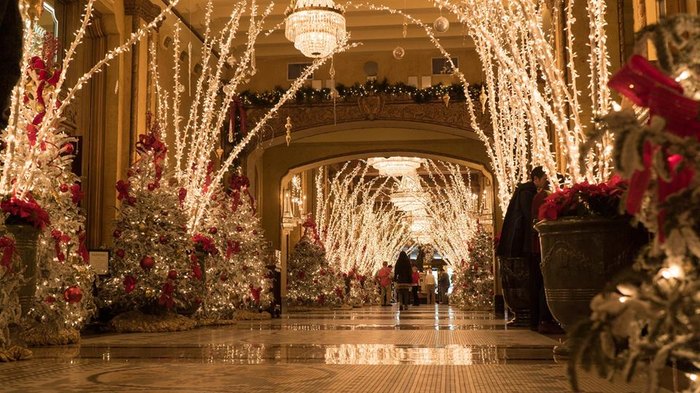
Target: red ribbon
{"points": [[647, 86], [237, 107]]}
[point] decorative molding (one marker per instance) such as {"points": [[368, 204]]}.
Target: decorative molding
{"points": [[367, 108]]}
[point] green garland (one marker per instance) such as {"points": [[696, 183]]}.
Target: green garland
{"points": [[309, 95]]}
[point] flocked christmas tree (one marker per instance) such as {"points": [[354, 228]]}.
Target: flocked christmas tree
{"points": [[310, 281], [236, 277], [472, 281], [151, 268], [41, 154]]}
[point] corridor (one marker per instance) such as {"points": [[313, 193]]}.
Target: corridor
{"points": [[372, 349]]}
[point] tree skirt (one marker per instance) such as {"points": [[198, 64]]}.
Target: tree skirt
{"points": [[14, 353], [215, 322], [245, 315], [41, 334], [138, 322]]}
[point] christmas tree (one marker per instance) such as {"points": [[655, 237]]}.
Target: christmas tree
{"points": [[472, 281], [252, 275], [236, 278], [649, 319], [310, 280], [37, 165], [151, 270]]}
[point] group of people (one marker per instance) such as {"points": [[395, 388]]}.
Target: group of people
{"points": [[406, 279], [519, 240]]}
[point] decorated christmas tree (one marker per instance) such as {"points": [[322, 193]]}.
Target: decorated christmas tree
{"points": [[254, 288], [38, 181], [236, 278], [472, 282], [152, 269], [310, 281], [649, 319]]}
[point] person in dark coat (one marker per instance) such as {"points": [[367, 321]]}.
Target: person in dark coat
{"points": [[11, 49], [516, 235], [517, 232], [403, 276]]}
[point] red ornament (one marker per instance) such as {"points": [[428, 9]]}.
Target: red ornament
{"points": [[213, 230], [163, 239], [239, 229], [73, 294], [129, 283], [120, 253], [117, 234], [147, 263], [152, 186], [68, 148], [63, 187], [172, 274], [50, 300]]}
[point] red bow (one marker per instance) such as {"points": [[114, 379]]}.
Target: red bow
{"points": [[646, 86]]}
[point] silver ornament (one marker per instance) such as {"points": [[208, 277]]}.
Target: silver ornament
{"points": [[441, 24], [398, 53]]}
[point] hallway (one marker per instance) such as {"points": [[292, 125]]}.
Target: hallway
{"points": [[371, 349]]}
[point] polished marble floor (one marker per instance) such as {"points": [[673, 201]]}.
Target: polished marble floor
{"points": [[371, 349]]}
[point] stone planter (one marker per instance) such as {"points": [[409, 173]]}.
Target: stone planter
{"points": [[25, 242], [515, 279], [579, 257]]}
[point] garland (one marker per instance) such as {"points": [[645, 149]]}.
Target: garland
{"points": [[309, 95]]}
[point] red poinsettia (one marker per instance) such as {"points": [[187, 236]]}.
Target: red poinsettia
{"points": [[585, 199], [25, 210], [203, 243]]}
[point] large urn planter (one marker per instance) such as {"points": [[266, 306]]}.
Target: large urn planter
{"points": [[579, 257], [26, 237], [515, 280]]}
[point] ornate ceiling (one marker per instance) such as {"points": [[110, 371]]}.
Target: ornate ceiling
{"points": [[377, 30]]}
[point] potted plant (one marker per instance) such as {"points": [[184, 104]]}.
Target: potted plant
{"points": [[585, 241]]}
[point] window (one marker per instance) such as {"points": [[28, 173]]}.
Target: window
{"points": [[294, 70], [441, 66]]}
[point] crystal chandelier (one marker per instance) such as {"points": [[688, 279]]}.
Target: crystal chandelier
{"points": [[315, 26], [396, 166]]}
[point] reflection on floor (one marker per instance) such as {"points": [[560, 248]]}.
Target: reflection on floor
{"points": [[372, 349]]}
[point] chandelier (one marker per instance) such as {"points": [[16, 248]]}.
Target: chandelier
{"points": [[315, 26], [396, 166]]}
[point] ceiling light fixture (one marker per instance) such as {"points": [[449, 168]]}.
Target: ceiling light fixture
{"points": [[315, 26]]}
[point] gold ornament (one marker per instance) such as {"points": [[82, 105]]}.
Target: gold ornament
{"points": [[446, 100], [483, 98], [441, 24], [219, 152], [288, 127], [398, 53]]}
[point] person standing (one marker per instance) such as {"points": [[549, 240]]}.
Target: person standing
{"points": [[416, 285], [430, 286], [384, 280], [403, 276], [443, 285], [516, 235]]}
